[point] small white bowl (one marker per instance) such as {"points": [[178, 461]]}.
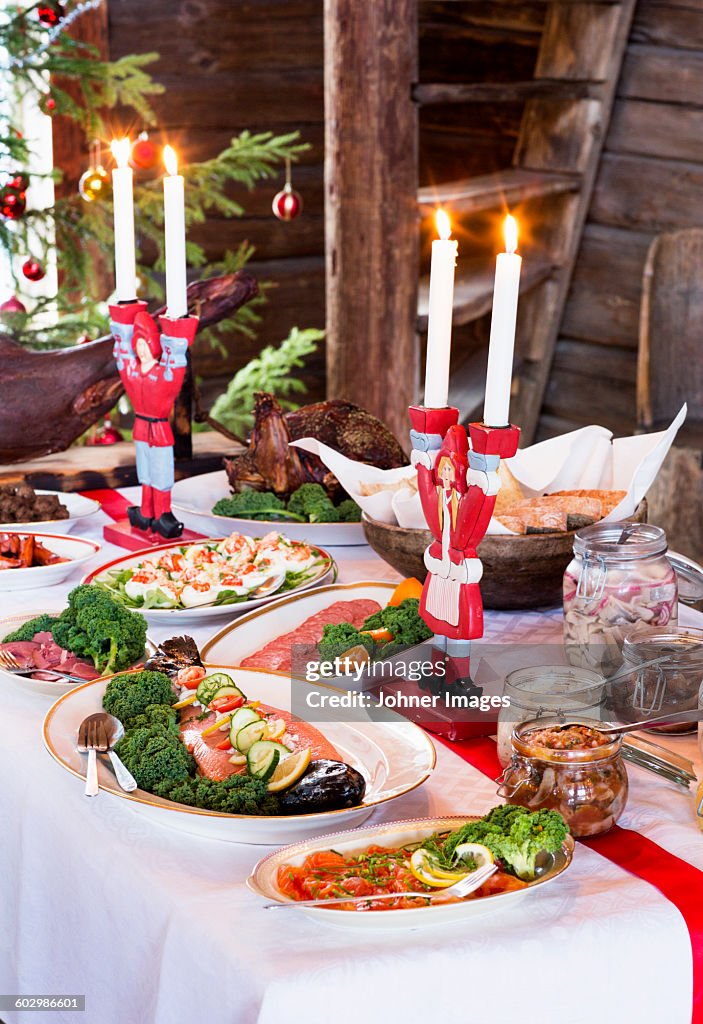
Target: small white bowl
{"points": [[76, 550], [79, 508]]}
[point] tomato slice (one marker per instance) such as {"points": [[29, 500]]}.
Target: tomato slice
{"points": [[224, 745], [228, 703]]}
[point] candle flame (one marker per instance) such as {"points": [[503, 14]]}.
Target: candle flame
{"points": [[170, 160], [444, 226], [121, 148], [510, 232]]}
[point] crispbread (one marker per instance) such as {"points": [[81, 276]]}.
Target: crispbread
{"points": [[608, 499]]}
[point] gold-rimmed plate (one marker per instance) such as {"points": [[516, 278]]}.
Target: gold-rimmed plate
{"points": [[393, 835], [394, 757], [248, 633], [194, 497]]}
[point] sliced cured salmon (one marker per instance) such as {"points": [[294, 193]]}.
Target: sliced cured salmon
{"points": [[277, 655], [215, 764]]}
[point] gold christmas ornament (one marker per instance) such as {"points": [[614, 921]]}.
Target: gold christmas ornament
{"points": [[95, 184]]}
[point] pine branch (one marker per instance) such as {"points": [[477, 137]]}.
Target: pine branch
{"points": [[270, 371]]}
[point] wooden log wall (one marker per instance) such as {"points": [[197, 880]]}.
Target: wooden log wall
{"points": [[650, 180], [226, 67]]}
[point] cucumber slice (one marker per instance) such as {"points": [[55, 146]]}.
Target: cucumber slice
{"points": [[228, 691], [217, 685], [249, 735], [240, 718], [263, 758]]}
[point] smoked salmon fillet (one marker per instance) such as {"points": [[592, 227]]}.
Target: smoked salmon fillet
{"points": [[215, 764]]}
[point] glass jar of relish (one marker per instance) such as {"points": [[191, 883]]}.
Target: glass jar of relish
{"points": [[553, 691], [575, 770]]}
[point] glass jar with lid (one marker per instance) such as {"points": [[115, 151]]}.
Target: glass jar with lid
{"points": [[618, 577], [666, 676], [551, 690], [579, 772]]}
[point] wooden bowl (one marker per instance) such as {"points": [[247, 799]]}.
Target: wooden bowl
{"points": [[518, 571]]}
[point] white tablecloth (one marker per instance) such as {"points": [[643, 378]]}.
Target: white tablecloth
{"points": [[156, 927]]}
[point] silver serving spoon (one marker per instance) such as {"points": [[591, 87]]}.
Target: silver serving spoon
{"points": [[268, 586], [693, 715], [98, 734]]}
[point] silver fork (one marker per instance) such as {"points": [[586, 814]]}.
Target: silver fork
{"points": [[9, 663], [461, 888], [92, 740]]}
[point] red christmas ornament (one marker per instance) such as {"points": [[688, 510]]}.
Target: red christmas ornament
{"points": [[50, 14], [287, 203], [144, 154], [12, 306], [106, 434], [33, 270], [47, 104], [12, 203], [19, 181]]}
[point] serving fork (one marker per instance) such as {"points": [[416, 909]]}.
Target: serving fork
{"points": [[9, 663], [98, 734], [92, 739], [461, 888]]}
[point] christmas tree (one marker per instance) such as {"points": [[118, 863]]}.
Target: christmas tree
{"points": [[44, 63]]}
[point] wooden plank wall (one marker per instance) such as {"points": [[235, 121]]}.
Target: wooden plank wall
{"points": [[650, 180], [226, 67]]}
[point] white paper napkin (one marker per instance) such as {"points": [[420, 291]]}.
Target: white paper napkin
{"points": [[587, 459]]}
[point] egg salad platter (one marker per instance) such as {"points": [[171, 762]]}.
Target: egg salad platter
{"points": [[211, 578]]}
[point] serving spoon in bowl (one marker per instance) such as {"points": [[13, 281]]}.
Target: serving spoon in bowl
{"points": [[678, 718], [98, 734]]}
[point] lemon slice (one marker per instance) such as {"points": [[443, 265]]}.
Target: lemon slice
{"points": [[481, 855], [429, 874], [275, 728], [289, 771]]}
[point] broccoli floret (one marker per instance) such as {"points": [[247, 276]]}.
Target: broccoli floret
{"points": [[514, 835], [30, 629], [239, 794], [261, 505], [155, 756], [311, 502], [339, 638], [501, 818], [130, 695], [326, 513], [157, 717], [349, 511], [97, 626], [529, 835], [402, 621], [305, 495]]}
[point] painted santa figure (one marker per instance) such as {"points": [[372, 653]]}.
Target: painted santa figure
{"points": [[152, 364], [457, 482]]}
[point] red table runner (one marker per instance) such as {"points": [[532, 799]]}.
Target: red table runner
{"points": [[113, 503], [679, 881]]}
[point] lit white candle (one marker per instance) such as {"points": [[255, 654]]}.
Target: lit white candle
{"points": [[123, 204], [439, 320], [175, 232], [502, 342]]}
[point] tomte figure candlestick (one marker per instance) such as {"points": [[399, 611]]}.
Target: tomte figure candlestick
{"points": [[458, 482], [152, 365]]}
